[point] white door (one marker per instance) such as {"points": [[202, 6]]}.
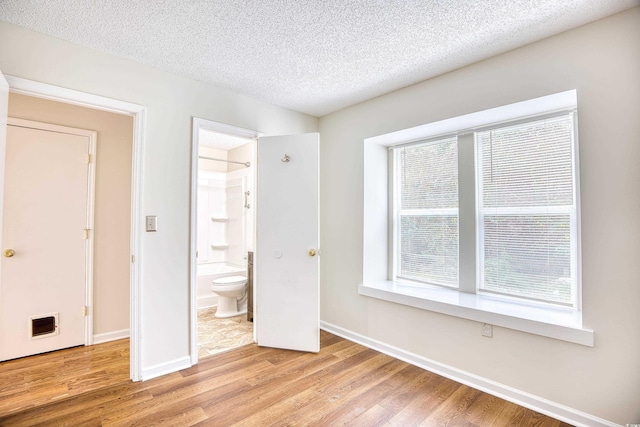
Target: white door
{"points": [[287, 302], [45, 265]]}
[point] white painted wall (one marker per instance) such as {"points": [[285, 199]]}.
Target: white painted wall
{"points": [[212, 165], [601, 61], [171, 103]]}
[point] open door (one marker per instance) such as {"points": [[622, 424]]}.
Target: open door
{"points": [[287, 293]]}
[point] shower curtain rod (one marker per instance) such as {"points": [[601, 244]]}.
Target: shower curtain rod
{"points": [[247, 164]]}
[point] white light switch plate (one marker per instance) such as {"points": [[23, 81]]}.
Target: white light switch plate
{"points": [[152, 223]]}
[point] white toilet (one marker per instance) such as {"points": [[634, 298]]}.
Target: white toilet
{"points": [[232, 295]]}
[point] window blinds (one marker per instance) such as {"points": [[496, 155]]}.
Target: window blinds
{"points": [[527, 210], [428, 212]]}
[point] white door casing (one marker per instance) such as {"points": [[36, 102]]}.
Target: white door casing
{"points": [[287, 254], [47, 206], [138, 112]]}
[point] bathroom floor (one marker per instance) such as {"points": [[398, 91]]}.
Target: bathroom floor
{"points": [[218, 335]]}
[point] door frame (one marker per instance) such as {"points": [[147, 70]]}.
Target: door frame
{"points": [[138, 112], [202, 124], [91, 187]]}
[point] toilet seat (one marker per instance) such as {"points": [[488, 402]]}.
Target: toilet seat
{"points": [[230, 280]]}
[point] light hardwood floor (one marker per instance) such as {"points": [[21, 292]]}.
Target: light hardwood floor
{"points": [[344, 384]]}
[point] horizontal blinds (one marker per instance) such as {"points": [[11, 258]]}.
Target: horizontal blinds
{"points": [[528, 169], [428, 212], [528, 164], [429, 249], [429, 175], [528, 256]]}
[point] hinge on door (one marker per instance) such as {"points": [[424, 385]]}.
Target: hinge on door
{"points": [[84, 310], [86, 233], [88, 158], [133, 259]]}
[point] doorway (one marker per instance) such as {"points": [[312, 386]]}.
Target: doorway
{"points": [[286, 262], [224, 236], [136, 114]]}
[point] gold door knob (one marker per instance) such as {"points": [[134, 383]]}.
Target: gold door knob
{"points": [[9, 253], [312, 252]]}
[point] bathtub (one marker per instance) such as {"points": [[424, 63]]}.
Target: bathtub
{"points": [[208, 272]]}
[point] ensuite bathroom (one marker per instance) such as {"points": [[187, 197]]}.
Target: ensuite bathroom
{"points": [[225, 241]]}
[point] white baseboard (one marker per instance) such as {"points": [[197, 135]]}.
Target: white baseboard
{"points": [[166, 368], [522, 398], [110, 336]]}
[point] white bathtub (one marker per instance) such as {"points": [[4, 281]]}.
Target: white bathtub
{"points": [[206, 273]]}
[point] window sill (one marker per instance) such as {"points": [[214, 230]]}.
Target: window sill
{"points": [[554, 322]]}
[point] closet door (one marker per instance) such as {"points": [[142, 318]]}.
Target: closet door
{"points": [[47, 217]]}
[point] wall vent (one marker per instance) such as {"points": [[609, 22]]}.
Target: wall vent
{"points": [[43, 326]]}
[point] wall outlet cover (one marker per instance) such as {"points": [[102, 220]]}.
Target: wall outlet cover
{"points": [[487, 330]]}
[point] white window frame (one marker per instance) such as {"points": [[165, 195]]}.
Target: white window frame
{"points": [[564, 323]]}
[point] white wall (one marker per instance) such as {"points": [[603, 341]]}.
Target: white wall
{"points": [[601, 61], [212, 165], [171, 103]]}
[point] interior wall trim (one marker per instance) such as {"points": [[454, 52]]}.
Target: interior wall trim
{"points": [[519, 397], [110, 336]]}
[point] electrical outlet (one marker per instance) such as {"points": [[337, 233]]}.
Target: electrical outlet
{"points": [[487, 330]]}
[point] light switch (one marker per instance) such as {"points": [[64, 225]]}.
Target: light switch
{"points": [[152, 223]]}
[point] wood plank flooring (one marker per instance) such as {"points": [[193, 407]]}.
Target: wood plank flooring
{"points": [[344, 384]]}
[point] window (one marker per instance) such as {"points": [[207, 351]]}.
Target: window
{"points": [[526, 210], [427, 212], [523, 184], [477, 216]]}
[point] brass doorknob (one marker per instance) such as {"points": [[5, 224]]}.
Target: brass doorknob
{"points": [[312, 252], [9, 253]]}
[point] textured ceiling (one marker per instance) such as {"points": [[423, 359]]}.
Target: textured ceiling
{"points": [[313, 56]]}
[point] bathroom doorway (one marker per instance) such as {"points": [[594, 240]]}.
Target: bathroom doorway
{"points": [[224, 237]]}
